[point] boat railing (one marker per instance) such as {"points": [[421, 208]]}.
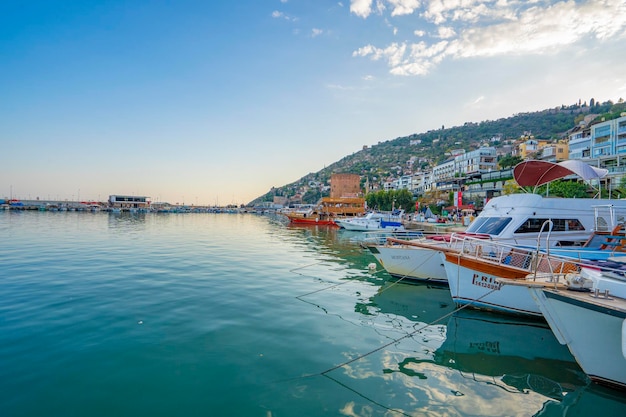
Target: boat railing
{"points": [[379, 237], [519, 258], [608, 216]]}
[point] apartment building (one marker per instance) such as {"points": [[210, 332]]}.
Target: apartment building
{"points": [[555, 152], [602, 144]]}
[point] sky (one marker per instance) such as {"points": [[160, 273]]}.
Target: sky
{"points": [[215, 102]]}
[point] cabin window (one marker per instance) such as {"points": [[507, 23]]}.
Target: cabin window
{"points": [[559, 225], [488, 225]]}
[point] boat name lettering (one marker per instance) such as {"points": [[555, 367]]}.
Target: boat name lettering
{"points": [[400, 257], [490, 347], [486, 282]]}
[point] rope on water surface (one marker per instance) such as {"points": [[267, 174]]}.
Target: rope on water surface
{"points": [[321, 279], [410, 334], [393, 410], [395, 281], [394, 341]]}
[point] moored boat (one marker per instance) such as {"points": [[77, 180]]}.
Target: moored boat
{"points": [[327, 210], [373, 221], [476, 269], [592, 324], [515, 219]]}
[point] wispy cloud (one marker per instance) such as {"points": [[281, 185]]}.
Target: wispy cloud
{"points": [[478, 100], [339, 87], [280, 15], [316, 32], [487, 28]]}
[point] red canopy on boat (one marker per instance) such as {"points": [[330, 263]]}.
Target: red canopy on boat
{"points": [[534, 173]]}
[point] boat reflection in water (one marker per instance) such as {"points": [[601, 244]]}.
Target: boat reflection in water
{"points": [[515, 353], [468, 363], [425, 358], [416, 302]]}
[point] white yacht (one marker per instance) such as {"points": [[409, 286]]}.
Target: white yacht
{"points": [[373, 221], [515, 219]]}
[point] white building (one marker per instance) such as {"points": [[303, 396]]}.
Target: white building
{"points": [[128, 201]]}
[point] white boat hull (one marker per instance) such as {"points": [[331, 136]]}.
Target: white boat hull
{"points": [[594, 333], [372, 221], [411, 262], [483, 290], [366, 227]]}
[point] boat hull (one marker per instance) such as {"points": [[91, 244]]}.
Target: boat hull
{"points": [[368, 227], [593, 332], [411, 262], [312, 221], [477, 284]]}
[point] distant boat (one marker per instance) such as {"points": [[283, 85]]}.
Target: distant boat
{"points": [[373, 221], [327, 211]]}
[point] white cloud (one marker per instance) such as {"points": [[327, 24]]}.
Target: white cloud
{"points": [[487, 28], [444, 32], [403, 7], [361, 8], [316, 32], [380, 7]]}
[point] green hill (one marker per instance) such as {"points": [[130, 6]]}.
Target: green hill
{"points": [[389, 158]]}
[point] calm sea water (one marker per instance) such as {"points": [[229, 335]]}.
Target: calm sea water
{"points": [[243, 315]]}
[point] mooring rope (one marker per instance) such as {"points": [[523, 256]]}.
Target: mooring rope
{"points": [[395, 281], [367, 398], [394, 341], [410, 334]]}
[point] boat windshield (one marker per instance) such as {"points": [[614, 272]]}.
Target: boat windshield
{"points": [[488, 225]]}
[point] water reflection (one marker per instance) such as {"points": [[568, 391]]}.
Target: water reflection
{"points": [[126, 219], [473, 364], [445, 362], [416, 302], [590, 400], [522, 354], [433, 360]]}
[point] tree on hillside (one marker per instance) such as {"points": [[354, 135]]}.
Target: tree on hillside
{"points": [[511, 187], [565, 189], [509, 161], [392, 199]]}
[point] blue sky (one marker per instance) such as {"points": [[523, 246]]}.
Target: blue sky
{"points": [[208, 102]]}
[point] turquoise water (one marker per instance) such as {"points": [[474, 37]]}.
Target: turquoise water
{"points": [[243, 315]]}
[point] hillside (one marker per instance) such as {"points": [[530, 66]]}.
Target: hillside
{"points": [[389, 158]]}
